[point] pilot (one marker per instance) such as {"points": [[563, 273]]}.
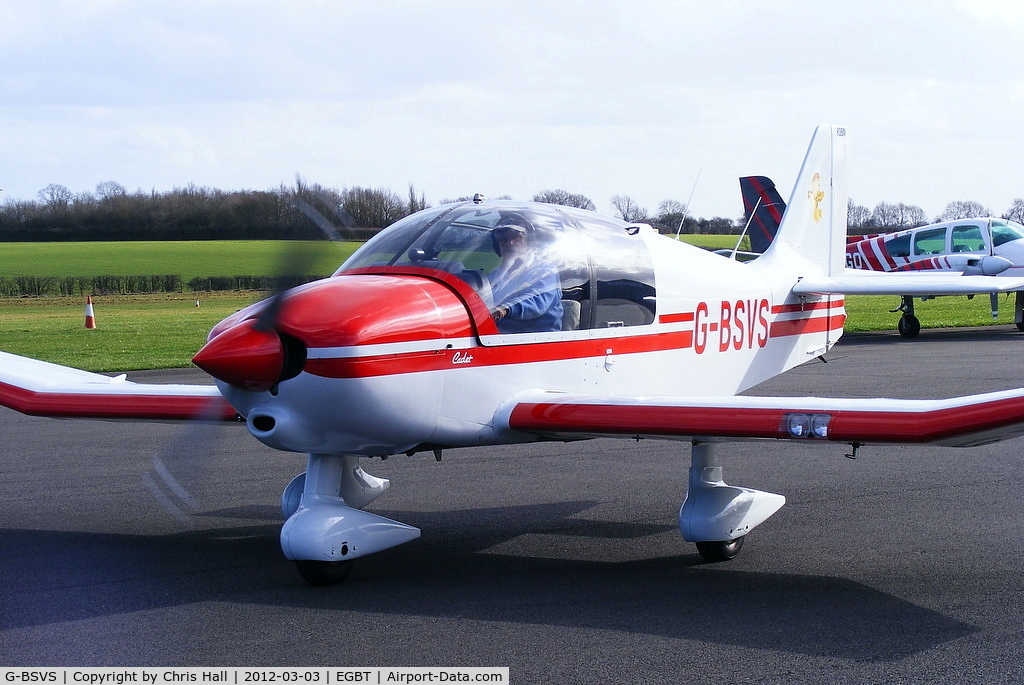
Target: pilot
{"points": [[526, 290]]}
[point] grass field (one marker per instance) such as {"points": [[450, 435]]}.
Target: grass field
{"points": [[132, 332], [189, 259], [164, 331]]}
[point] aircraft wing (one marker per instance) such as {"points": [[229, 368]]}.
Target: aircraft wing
{"points": [[959, 421], [905, 283], [40, 388]]}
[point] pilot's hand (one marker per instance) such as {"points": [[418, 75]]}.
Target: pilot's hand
{"points": [[499, 313]]}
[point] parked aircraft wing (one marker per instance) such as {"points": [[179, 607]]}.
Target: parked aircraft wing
{"points": [[958, 421], [40, 388], [905, 283]]}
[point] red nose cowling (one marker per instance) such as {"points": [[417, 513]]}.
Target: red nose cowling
{"points": [[343, 311], [244, 356]]}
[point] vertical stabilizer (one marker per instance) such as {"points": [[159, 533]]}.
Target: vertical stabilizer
{"points": [[813, 229]]}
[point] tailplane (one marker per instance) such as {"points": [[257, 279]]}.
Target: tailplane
{"points": [[812, 235]]}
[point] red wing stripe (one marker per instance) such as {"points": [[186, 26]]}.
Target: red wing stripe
{"points": [[646, 420], [111, 406], [1002, 417]]}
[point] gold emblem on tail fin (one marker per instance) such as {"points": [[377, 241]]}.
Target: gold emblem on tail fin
{"points": [[816, 195]]}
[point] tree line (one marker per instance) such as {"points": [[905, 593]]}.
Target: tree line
{"points": [[302, 212], [308, 211]]}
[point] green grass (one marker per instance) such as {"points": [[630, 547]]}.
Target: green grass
{"points": [[715, 242], [188, 259], [871, 312], [132, 332]]}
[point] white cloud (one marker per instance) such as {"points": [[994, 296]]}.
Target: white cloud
{"points": [[601, 98]]}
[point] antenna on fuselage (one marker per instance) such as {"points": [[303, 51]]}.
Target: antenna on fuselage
{"points": [[745, 228], [688, 200]]}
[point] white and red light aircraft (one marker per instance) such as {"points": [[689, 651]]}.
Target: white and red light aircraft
{"points": [[402, 350], [979, 246]]}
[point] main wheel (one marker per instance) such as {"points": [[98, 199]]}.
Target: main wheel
{"points": [[908, 326], [720, 551], [321, 573]]}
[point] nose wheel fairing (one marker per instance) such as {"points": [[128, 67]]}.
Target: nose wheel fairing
{"points": [[323, 527]]}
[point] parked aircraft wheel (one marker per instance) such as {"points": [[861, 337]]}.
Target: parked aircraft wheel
{"points": [[909, 326], [322, 573], [720, 551]]}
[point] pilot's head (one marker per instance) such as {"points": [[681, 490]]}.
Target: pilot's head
{"points": [[509, 240], [512, 229]]}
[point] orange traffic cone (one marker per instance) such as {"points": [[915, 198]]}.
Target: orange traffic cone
{"points": [[90, 318]]}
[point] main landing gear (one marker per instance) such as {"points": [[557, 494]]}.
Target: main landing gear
{"points": [[717, 516], [326, 528], [908, 325]]}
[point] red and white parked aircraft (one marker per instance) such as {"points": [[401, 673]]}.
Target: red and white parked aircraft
{"points": [[418, 344], [979, 246]]}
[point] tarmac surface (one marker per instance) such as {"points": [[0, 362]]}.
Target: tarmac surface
{"points": [[560, 561]]}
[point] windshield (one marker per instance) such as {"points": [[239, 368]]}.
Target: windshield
{"points": [[538, 268], [1003, 231]]}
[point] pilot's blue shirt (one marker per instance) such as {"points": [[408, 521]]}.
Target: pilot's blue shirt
{"points": [[531, 290]]}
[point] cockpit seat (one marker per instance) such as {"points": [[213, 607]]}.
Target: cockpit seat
{"points": [[570, 315]]}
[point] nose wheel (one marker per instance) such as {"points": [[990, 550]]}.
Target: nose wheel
{"points": [[719, 551], [321, 573]]}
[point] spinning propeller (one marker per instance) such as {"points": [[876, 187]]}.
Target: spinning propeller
{"points": [[254, 355]]}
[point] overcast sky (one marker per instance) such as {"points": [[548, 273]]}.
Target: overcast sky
{"points": [[651, 99]]}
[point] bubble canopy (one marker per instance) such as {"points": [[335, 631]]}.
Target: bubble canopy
{"points": [[590, 271]]}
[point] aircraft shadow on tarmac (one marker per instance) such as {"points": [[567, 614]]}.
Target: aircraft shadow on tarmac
{"points": [[995, 333], [455, 572]]}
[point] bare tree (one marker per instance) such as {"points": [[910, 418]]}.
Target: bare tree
{"points": [[899, 215], [963, 209], [857, 216], [1016, 211], [416, 204], [628, 210], [56, 197], [564, 198], [670, 215], [372, 207], [108, 190]]}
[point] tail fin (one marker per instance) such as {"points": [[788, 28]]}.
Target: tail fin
{"points": [[813, 228], [763, 208]]}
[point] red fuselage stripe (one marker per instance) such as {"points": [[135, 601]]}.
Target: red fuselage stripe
{"points": [[806, 307], [501, 355]]}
